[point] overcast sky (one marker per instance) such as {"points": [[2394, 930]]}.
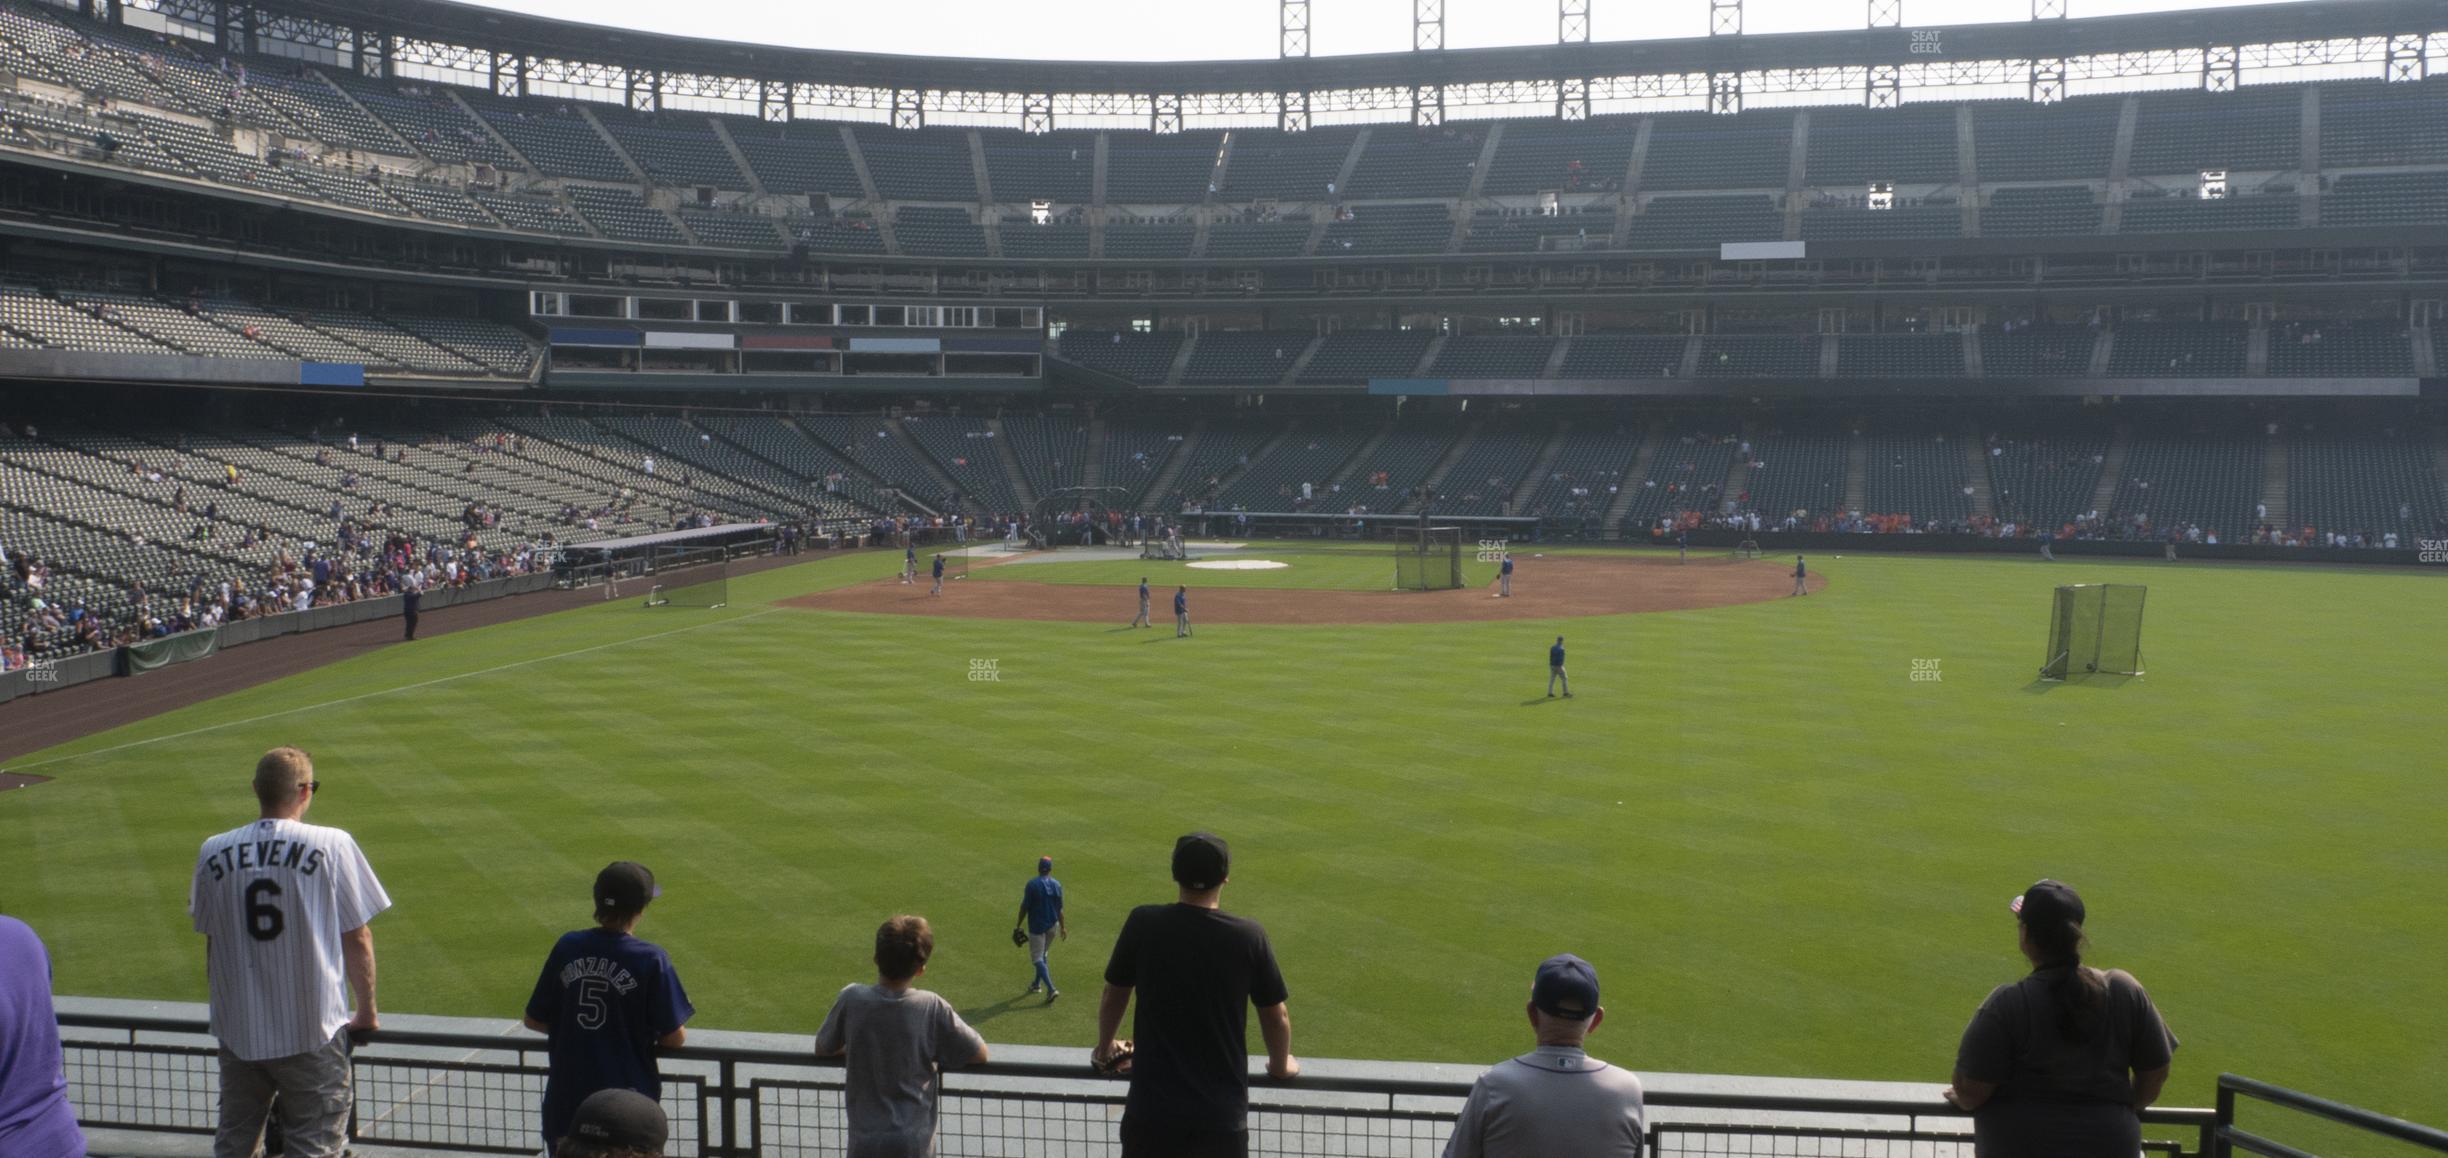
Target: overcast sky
{"points": [[1228, 29]]}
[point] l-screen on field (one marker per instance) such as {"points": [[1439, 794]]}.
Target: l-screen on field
{"points": [[1784, 828]]}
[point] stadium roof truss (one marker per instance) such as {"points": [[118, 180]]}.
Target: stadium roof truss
{"points": [[1881, 67]]}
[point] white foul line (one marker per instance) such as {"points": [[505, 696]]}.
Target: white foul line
{"points": [[387, 691]]}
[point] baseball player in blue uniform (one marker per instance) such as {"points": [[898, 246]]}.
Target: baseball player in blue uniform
{"points": [[1801, 574], [1181, 612], [909, 564], [1504, 577], [1682, 546], [938, 576], [1041, 910], [1143, 620], [1555, 670]]}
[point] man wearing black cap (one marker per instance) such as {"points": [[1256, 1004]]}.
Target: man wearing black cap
{"points": [[616, 1124], [608, 1000], [1555, 1099], [1194, 968]]}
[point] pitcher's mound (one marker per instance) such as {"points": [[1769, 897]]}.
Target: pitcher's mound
{"points": [[1553, 588]]}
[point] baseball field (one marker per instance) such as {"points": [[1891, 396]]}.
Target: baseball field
{"points": [[1784, 829]]}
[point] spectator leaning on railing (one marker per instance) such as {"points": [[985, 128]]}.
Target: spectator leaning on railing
{"points": [[1195, 969], [896, 1041], [1555, 1099], [284, 906], [607, 1000], [2059, 1064]]}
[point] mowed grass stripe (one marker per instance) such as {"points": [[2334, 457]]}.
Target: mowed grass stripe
{"points": [[1807, 872]]}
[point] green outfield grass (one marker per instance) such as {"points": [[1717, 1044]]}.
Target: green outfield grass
{"points": [[1784, 855]]}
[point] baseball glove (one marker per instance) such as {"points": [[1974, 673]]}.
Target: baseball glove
{"points": [[1019, 939], [1115, 1065]]}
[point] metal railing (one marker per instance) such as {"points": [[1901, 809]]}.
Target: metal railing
{"points": [[2227, 1137], [480, 1094]]}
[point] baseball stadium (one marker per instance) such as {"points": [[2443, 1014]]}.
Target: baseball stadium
{"points": [[1719, 510]]}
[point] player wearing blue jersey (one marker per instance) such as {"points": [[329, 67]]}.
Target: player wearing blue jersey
{"points": [[1504, 578], [608, 1000], [909, 564], [1142, 620], [1041, 911], [1555, 670], [938, 575], [1801, 577], [1181, 612]]}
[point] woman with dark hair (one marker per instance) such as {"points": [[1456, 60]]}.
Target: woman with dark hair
{"points": [[2059, 1064]]}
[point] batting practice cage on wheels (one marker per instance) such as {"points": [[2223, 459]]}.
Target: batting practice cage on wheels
{"points": [[1433, 562], [2095, 627], [688, 577]]}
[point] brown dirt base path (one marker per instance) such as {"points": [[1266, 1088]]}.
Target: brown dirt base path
{"points": [[1545, 589]]}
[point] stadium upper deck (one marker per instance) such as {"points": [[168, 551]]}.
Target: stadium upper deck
{"points": [[2289, 129]]}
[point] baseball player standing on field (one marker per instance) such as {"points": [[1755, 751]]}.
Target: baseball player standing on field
{"points": [[1801, 576], [608, 1000], [1041, 908], [909, 563], [1143, 620], [1555, 670], [1504, 577], [938, 574], [283, 907], [1181, 612]]}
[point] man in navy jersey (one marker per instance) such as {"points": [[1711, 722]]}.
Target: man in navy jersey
{"points": [[1504, 578], [1181, 612], [608, 1000], [1801, 577], [938, 574], [1142, 621], [1555, 670]]}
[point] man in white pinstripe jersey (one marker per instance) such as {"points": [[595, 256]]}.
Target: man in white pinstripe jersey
{"points": [[283, 907]]}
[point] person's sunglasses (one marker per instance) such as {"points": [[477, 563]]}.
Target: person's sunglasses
{"points": [[314, 786]]}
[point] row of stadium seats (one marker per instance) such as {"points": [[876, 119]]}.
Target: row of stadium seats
{"points": [[2138, 349], [116, 322], [178, 108]]}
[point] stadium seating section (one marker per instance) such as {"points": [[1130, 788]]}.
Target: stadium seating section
{"points": [[554, 164]]}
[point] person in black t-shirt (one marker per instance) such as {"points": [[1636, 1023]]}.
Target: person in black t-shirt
{"points": [[1194, 968]]}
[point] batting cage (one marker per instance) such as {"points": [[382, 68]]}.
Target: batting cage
{"points": [[1431, 562], [2095, 627], [688, 577]]}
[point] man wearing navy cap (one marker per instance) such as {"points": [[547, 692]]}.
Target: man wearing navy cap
{"points": [[1555, 1099], [1041, 909], [608, 1000], [1555, 670]]}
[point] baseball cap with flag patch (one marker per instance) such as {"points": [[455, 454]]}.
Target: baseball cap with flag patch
{"points": [[2047, 903]]}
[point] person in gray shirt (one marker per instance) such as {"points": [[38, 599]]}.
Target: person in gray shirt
{"points": [[1555, 1099], [895, 1040]]}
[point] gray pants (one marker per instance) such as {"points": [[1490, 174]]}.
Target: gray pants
{"points": [[1142, 621], [315, 1097], [1181, 624], [1504, 584], [1556, 675]]}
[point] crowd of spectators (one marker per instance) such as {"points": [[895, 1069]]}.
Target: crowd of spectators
{"points": [[2058, 1062]]}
